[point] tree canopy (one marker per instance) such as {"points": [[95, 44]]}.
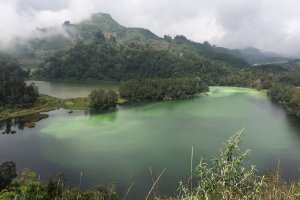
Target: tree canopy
{"points": [[103, 100]]}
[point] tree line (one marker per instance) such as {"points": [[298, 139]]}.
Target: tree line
{"points": [[13, 90], [162, 89], [287, 96]]}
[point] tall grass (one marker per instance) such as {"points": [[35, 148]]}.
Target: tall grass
{"points": [[226, 177]]}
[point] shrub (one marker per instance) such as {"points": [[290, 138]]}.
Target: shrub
{"points": [[103, 99], [225, 177], [7, 174]]}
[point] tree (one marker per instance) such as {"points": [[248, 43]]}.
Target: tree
{"points": [[103, 99], [7, 174]]}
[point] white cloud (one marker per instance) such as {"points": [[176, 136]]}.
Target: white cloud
{"points": [[271, 25]]}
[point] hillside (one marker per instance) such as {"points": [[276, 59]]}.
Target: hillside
{"points": [[255, 56], [292, 64], [44, 42]]}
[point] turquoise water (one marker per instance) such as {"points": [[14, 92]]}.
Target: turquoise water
{"points": [[121, 146]]}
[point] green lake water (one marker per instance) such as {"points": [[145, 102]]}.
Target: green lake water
{"points": [[121, 146]]}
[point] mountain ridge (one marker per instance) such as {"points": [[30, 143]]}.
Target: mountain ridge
{"points": [[46, 42]]}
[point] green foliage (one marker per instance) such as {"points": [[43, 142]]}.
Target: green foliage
{"points": [[109, 61], [29, 187], [10, 66], [225, 177], [7, 174], [103, 99], [13, 89], [160, 89], [287, 96]]}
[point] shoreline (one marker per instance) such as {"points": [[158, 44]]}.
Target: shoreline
{"points": [[48, 103]]}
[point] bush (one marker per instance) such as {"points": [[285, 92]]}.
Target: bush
{"points": [[103, 100], [7, 174], [29, 187], [225, 177]]}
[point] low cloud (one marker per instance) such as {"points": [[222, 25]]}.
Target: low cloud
{"points": [[271, 25]]}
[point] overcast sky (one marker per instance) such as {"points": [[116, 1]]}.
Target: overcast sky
{"points": [[271, 25]]}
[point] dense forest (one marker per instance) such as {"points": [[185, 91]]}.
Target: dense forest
{"points": [[162, 89], [110, 61], [287, 96], [13, 90]]}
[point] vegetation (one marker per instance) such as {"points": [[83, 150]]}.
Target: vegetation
{"points": [[46, 41], [44, 103], [77, 103], [287, 96], [109, 61], [15, 93], [162, 89], [7, 174], [29, 187], [13, 90], [103, 99], [120, 62], [101, 49], [225, 177], [47, 103]]}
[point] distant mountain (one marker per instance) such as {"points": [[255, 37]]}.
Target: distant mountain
{"points": [[255, 56], [47, 41], [292, 65], [106, 24]]}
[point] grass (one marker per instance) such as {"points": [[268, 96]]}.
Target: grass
{"points": [[76, 103], [47, 103]]}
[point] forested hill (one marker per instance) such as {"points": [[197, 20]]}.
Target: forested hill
{"points": [[101, 60], [106, 24], [255, 56], [47, 41]]}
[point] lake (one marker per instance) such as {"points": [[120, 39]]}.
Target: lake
{"points": [[65, 90], [122, 146]]}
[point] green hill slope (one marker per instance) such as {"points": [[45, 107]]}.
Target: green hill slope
{"points": [[47, 41]]}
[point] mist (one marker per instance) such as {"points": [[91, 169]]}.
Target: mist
{"points": [[270, 25]]}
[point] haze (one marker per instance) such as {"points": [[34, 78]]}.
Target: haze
{"points": [[270, 25]]}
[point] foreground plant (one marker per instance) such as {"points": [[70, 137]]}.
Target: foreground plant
{"points": [[29, 187], [225, 177]]}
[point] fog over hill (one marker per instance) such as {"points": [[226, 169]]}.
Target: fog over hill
{"points": [[270, 25]]}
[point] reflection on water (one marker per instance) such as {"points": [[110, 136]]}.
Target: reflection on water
{"points": [[65, 90], [122, 145], [11, 125], [102, 117]]}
